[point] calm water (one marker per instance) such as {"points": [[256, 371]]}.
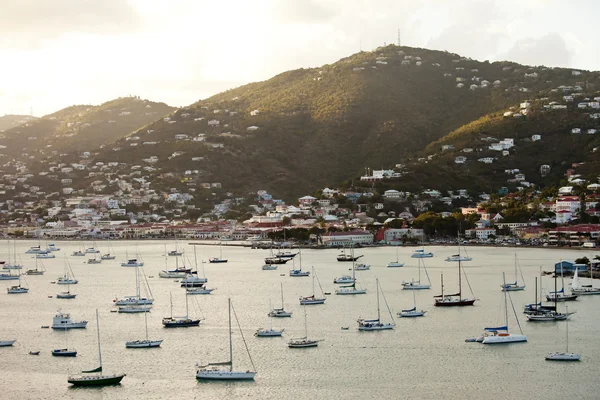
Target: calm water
{"points": [[424, 358]]}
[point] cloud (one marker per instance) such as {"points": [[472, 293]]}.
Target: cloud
{"points": [[549, 50], [29, 23]]}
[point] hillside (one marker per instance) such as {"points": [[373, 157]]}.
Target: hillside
{"points": [[81, 128], [313, 127], [10, 121]]}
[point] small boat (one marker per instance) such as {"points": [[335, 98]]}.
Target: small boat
{"points": [[45, 327], [94, 261], [7, 276], [276, 260], [36, 271], [216, 371], [68, 277], [564, 356], [345, 328], [108, 256], [134, 309], [348, 257], [584, 290], [298, 273], [220, 259], [17, 289], [92, 250], [63, 321], [304, 342], [34, 250], [421, 254], [99, 379], [171, 275], [65, 295], [269, 267], [269, 332], [362, 267], [344, 279], [45, 255], [454, 300], [514, 286], [457, 257], [376, 324], [132, 263], [78, 253], [34, 353], [6, 343], [192, 281], [175, 253], [395, 264], [280, 312], [64, 353], [286, 254], [144, 343], [416, 284], [199, 290], [52, 247]]}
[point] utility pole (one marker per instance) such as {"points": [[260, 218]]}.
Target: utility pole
{"points": [[398, 38]]}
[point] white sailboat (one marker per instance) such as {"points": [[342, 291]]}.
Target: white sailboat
{"points": [[195, 288], [397, 263], [280, 312], [132, 262], [137, 299], [304, 342], [220, 259], [36, 271], [421, 254], [376, 324], [12, 264], [501, 335], [514, 286], [215, 371], [269, 332], [110, 255], [583, 290], [17, 289], [298, 272], [63, 321], [7, 343], [566, 356], [349, 289], [67, 294], [179, 322], [312, 299], [417, 285], [144, 343], [412, 312], [69, 277]]}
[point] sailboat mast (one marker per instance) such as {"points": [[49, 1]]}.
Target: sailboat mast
{"points": [[442, 286], [555, 294], [567, 320], [230, 341], [305, 325], [98, 328], [505, 303], [146, 322], [378, 313], [459, 274], [282, 295], [171, 303]]}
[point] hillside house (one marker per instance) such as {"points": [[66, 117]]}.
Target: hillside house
{"points": [[535, 138], [467, 150], [447, 147], [393, 195], [525, 104], [213, 122], [460, 85], [486, 160], [460, 160], [544, 169], [252, 128], [595, 116], [254, 113], [181, 136], [591, 131], [575, 73], [576, 130], [480, 233], [306, 201]]}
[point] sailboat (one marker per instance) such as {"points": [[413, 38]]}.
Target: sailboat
{"points": [[7, 343], [512, 287], [312, 299], [66, 352], [92, 250], [67, 294], [280, 312], [109, 255], [412, 312], [577, 289], [417, 285], [176, 251], [36, 271], [541, 314], [269, 332], [303, 342], [13, 264], [395, 264], [298, 272], [99, 379], [349, 289], [566, 356], [136, 299], [376, 324], [177, 322], [69, 277], [456, 299], [194, 284], [145, 343], [421, 254], [215, 371], [17, 289], [501, 334], [220, 259], [458, 257], [560, 295], [348, 257]]}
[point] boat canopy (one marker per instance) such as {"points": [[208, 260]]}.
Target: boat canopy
{"points": [[499, 328], [412, 309], [447, 295], [99, 369]]}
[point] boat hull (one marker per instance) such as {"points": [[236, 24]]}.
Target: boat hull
{"points": [[181, 324], [269, 267], [6, 343], [454, 303], [379, 327], [510, 338], [306, 302], [303, 344], [133, 309], [225, 375], [143, 344], [96, 380], [563, 357], [297, 274], [280, 314], [411, 314], [216, 261], [75, 325], [395, 265], [268, 333], [134, 302], [9, 277], [34, 272], [64, 353], [342, 292], [415, 286], [199, 291], [512, 288], [65, 296]]}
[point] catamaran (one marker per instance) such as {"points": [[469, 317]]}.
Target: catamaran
{"points": [[215, 371], [500, 335], [312, 299], [514, 286], [99, 379], [376, 324]]}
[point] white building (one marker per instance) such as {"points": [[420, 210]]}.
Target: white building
{"points": [[480, 233], [334, 239]]}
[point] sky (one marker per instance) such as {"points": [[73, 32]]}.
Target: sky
{"points": [[56, 53]]}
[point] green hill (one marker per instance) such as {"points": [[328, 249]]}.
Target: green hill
{"points": [[81, 128], [319, 126]]}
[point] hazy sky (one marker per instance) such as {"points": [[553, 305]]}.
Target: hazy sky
{"points": [[55, 53]]}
